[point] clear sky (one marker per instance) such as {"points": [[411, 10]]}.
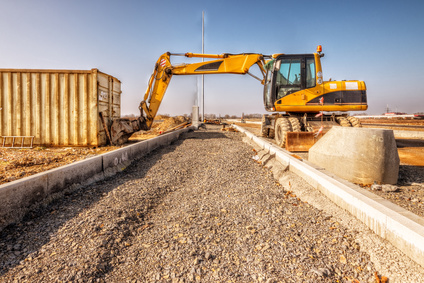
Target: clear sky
{"points": [[379, 42]]}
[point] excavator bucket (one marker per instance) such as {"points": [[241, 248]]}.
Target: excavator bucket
{"points": [[303, 141], [122, 129], [300, 141]]}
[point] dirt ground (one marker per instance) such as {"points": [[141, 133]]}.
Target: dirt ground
{"points": [[410, 192], [19, 163], [160, 126], [411, 151], [410, 122], [394, 124]]}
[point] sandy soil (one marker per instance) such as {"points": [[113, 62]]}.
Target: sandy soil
{"points": [[18, 163], [411, 152], [394, 124], [417, 122]]}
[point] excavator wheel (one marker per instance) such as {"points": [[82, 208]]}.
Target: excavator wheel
{"points": [[354, 121], [271, 133], [264, 129], [282, 126], [344, 122], [295, 124]]}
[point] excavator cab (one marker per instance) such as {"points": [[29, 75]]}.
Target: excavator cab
{"points": [[294, 84], [288, 74]]}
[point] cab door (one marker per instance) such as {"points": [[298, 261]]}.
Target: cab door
{"points": [[269, 90]]}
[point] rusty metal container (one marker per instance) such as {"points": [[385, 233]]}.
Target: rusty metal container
{"points": [[58, 107]]}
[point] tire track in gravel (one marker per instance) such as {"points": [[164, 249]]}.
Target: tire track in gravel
{"points": [[199, 210]]}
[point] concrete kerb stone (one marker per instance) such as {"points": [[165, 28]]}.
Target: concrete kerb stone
{"points": [[20, 196], [17, 196], [139, 149], [402, 228], [81, 172], [409, 134], [117, 160]]}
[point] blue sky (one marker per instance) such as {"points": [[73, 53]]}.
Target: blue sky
{"points": [[379, 42]]}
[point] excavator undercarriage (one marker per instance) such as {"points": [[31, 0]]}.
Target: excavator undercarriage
{"points": [[298, 132]]}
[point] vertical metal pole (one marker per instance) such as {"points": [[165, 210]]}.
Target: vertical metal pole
{"points": [[203, 60]]}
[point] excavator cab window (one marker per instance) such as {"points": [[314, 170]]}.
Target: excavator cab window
{"points": [[310, 72], [288, 78], [288, 74]]}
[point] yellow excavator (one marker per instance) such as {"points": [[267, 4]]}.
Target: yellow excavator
{"points": [[304, 105]]}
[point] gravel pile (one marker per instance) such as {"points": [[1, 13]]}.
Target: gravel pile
{"points": [[200, 210]]}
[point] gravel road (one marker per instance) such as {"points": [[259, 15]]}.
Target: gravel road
{"points": [[200, 210]]}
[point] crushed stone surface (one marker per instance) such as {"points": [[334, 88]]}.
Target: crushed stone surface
{"points": [[199, 210], [410, 186]]}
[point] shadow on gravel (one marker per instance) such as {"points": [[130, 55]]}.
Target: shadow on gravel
{"points": [[410, 174], [24, 240], [203, 136]]}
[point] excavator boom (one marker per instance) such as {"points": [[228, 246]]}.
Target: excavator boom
{"points": [[122, 129], [164, 70]]}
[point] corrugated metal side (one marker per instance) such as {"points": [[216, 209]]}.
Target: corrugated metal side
{"points": [[109, 97], [58, 107]]}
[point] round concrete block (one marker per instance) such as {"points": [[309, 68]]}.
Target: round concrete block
{"points": [[359, 155]]}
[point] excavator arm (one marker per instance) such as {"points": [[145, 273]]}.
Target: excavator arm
{"points": [[122, 129], [164, 70]]}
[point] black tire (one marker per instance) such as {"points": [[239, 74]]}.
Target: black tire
{"points": [[344, 122], [295, 124], [282, 126], [271, 133], [354, 122], [264, 129]]}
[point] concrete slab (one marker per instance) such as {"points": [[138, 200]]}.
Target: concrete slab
{"points": [[359, 155]]}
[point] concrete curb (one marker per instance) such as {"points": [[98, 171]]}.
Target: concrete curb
{"points": [[20, 196], [402, 228], [409, 134]]}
